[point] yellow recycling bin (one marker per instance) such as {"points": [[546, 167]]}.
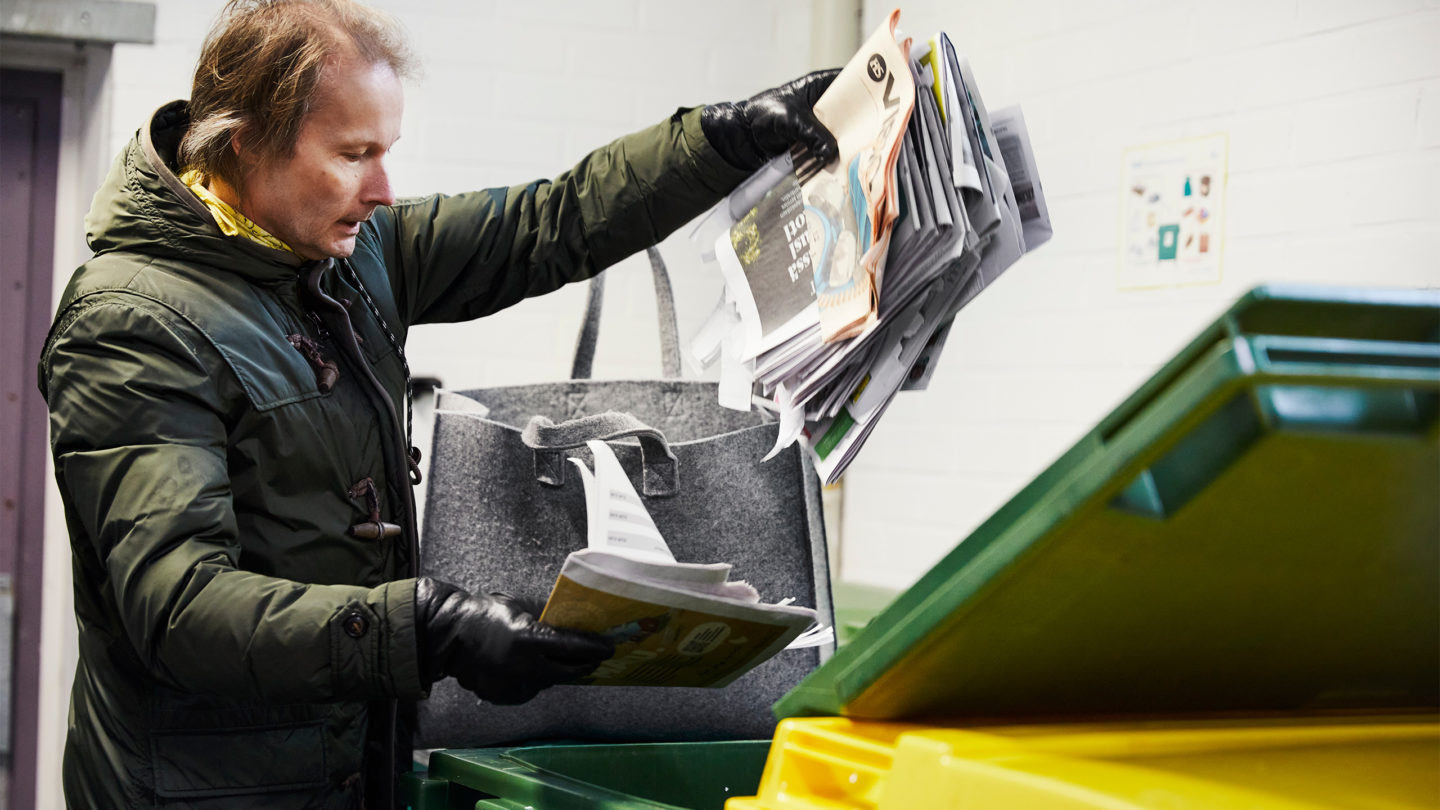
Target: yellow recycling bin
{"points": [[1253, 764], [1226, 595]]}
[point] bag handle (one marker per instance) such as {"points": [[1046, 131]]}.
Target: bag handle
{"points": [[660, 474], [664, 314]]}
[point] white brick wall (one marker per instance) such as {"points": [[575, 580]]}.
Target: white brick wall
{"points": [[558, 79], [1333, 111]]}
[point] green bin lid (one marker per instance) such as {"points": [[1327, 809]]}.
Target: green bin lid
{"points": [[1256, 529]]}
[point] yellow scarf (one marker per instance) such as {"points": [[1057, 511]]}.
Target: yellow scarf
{"points": [[231, 222]]}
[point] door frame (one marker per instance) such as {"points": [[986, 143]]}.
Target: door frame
{"points": [[41, 91], [86, 152]]}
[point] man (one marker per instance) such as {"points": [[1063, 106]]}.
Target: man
{"points": [[228, 396]]}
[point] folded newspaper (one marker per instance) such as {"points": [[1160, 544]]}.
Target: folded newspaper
{"points": [[673, 623], [841, 282]]}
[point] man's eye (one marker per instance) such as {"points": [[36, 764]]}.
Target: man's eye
{"points": [[353, 157]]}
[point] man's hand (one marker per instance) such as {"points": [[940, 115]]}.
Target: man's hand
{"points": [[751, 132], [494, 647]]}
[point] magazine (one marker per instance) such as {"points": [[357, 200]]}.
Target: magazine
{"points": [[825, 228], [672, 623]]}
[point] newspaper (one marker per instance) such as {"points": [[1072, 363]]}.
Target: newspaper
{"points": [[781, 301], [825, 227], [951, 199], [672, 623], [1013, 140]]}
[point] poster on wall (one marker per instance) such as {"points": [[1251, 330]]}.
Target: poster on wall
{"points": [[1172, 212]]}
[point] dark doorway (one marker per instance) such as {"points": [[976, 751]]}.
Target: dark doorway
{"points": [[29, 162]]}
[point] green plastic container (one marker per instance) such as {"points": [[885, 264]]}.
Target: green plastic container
{"points": [[648, 776], [590, 777], [1256, 529]]}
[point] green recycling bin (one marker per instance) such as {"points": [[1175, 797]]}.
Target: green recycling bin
{"points": [[641, 776], [1255, 530]]}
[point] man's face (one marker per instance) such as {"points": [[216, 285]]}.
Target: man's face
{"points": [[315, 199]]}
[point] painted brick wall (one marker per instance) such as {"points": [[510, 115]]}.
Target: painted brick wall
{"points": [[1333, 112]]}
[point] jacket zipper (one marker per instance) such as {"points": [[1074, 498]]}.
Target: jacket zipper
{"points": [[321, 332]]}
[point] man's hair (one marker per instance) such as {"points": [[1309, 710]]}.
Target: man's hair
{"points": [[260, 71]]}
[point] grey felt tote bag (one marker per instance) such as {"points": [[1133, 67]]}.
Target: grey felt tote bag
{"points": [[502, 513]]}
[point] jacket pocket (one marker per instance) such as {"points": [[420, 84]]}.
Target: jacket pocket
{"points": [[240, 761]]}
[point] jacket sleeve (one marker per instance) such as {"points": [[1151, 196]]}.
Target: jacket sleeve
{"points": [[139, 439], [459, 257]]}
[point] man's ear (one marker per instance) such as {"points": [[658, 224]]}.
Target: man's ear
{"points": [[240, 143]]}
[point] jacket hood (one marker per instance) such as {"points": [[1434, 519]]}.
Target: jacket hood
{"points": [[143, 207]]}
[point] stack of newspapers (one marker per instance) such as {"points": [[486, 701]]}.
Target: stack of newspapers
{"points": [[841, 281]]}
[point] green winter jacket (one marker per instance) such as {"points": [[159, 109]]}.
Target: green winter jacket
{"points": [[237, 644]]}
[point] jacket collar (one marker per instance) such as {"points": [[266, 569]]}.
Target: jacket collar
{"points": [[159, 144]]}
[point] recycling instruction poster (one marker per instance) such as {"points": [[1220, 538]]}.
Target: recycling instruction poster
{"points": [[1172, 213]]}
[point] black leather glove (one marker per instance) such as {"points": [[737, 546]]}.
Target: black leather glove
{"points": [[494, 647], [751, 132]]}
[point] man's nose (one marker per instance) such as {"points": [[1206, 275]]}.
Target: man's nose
{"points": [[376, 190]]}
